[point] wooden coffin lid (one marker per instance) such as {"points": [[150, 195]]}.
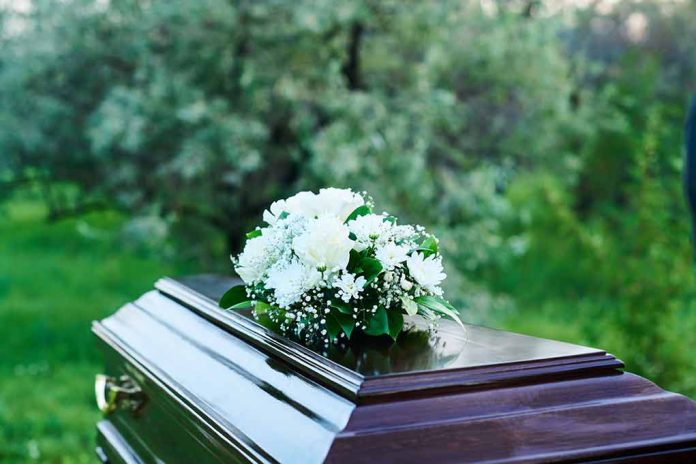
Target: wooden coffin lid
{"points": [[421, 363]]}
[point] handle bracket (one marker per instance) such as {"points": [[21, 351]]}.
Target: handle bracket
{"points": [[117, 393]]}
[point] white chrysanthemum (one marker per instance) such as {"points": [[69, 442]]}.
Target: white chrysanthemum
{"points": [[290, 280], [258, 255], [428, 272], [369, 230], [391, 254], [349, 286], [324, 244]]}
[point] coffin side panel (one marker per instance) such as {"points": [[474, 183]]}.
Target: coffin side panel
{"points": [[229, 399], [604, 418], [112, 448], [166, 429]]}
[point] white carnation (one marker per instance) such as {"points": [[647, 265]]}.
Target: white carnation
{"points": [[349, 286], [428, 272], [369, 230], [391, 254], [290, 280], [324, 244], [338, 203], [302, 204]]}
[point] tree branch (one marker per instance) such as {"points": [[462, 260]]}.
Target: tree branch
{"points": [[351, 68]]}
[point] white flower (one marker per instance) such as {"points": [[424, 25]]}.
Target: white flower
{"points": [[257, 256], [302, 204], [405, 283], [290, 280], [402, 232], [349, 287], [368, 230], [271, 215], [338, 203], [391, 254], [324, 244], [427, 272]]}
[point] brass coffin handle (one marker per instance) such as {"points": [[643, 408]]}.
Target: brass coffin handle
{"points": [[117, 393]]}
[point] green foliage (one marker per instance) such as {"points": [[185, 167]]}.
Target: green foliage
{"points": [[235, 298], [370, 268], [379, 324], [55, 279], [362, 210], [439, 306], [429, 246]]}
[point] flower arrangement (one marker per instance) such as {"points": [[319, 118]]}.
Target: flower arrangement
{"points": [[325, 267]]}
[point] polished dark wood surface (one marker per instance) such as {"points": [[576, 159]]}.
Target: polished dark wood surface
{"points": [[221, 388], [218, 393], [421, 359], [418, 349]]}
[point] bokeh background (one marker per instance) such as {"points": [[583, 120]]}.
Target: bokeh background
{"points": [[541, 140]]}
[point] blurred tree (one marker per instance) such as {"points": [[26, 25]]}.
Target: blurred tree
{"points": [[205, 111], [690, 165], [193, 115]]}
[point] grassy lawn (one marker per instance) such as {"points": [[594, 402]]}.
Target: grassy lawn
{"points": [[54, 280]]}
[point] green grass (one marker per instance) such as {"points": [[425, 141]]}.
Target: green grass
{"points": [[54, 280]]}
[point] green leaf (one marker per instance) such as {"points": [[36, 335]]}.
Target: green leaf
{"points": [[371, 268], [261, 307], [242, 305], [265, 320], [439, 305], [426, 312], [354, 261], [342, 306], [254, 233], [410, 306], [359, 211], [396, 323], [391, 219], [233, 297], [379, 324], [428, 246], [346, 322], [333, 327]]}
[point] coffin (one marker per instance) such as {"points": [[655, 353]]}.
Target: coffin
{"points": [[186, 382]]}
